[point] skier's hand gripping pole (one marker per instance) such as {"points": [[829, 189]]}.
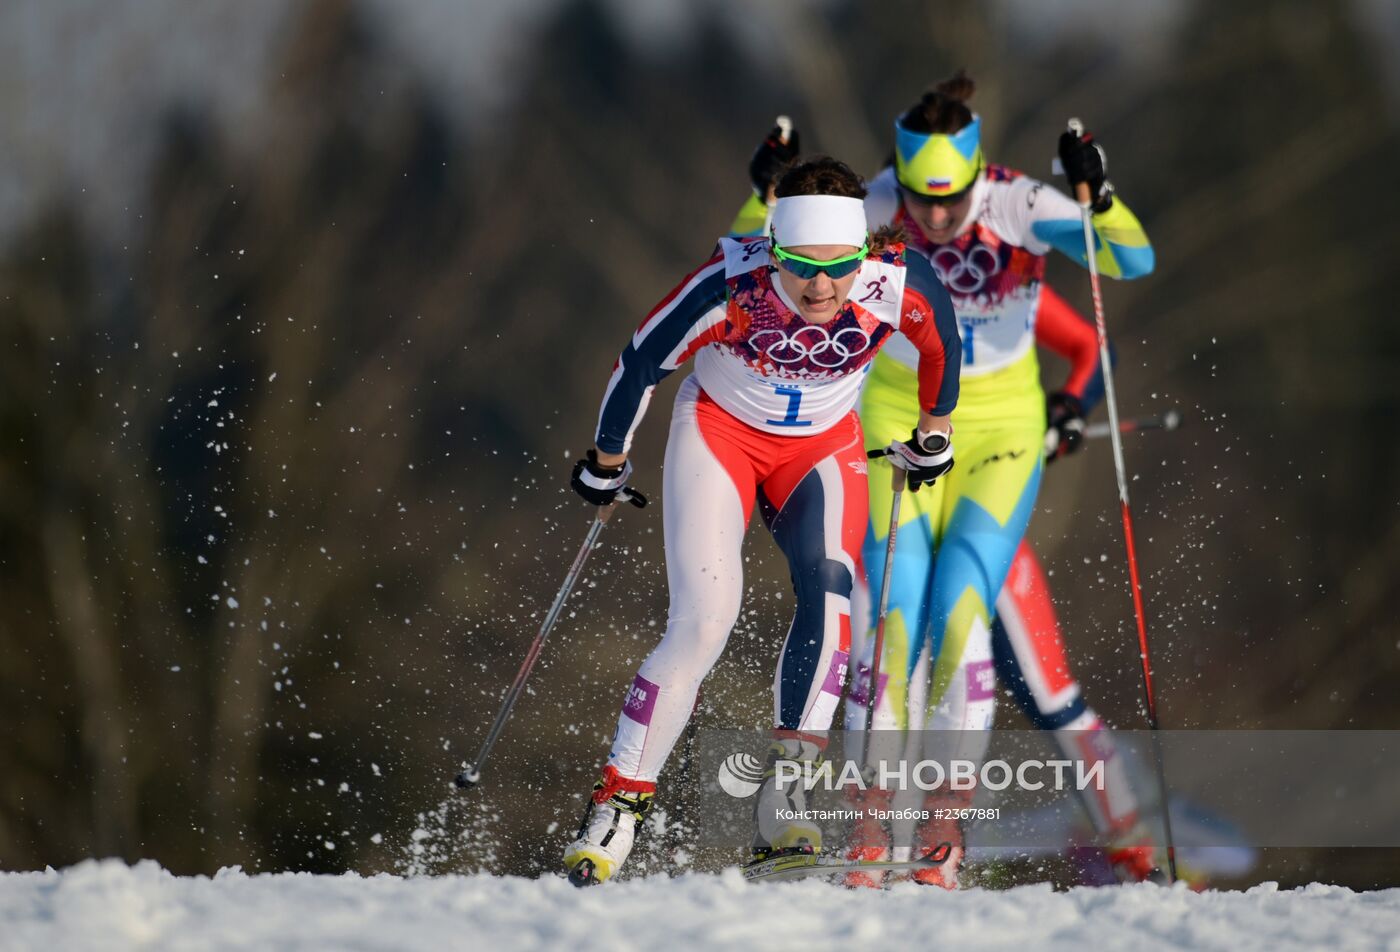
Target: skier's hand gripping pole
{"points": [[770, 160], [1086, 198], [471, 773], [604, 484]]}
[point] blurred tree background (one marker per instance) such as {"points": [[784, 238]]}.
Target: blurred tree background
{"points": [[283, 471]]}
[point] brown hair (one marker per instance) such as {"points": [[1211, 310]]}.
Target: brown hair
{"points": [[824, 175], [943, 109], [886, 236], [821, 175]]}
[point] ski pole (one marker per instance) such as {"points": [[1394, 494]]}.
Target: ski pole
{"points": [[1161, 421], [873, 688], [1081, 193], [471, 773]]}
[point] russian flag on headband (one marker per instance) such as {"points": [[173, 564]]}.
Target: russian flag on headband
{"points": [[938, 184]]}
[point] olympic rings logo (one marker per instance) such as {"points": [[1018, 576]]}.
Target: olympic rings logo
{"points": [[965, 273], [811, 343]]}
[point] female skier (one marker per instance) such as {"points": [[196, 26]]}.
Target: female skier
{"points": [[783, 330], [986, 229], [1028, 650], [1029, 653]]}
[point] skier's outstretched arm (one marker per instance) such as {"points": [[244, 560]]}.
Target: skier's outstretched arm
{"points": [[928, 320], [1051, 218], [1064, 331], [691, 316], [926, 317], [1061, 329]]}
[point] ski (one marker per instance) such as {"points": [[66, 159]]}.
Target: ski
{"points": [[802, 865]]}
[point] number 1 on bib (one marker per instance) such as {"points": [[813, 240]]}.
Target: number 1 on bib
{"points": [[794, 397]]}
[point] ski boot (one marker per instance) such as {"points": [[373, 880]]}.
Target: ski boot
{"points": [[609, 826], [1135, 862], [869, 838], [775, 835], [941, 832], [1134, 858]]}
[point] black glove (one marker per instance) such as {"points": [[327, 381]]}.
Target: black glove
{"points": [[771, 159], [1083, 160], [602, 485], [1064, 415], [923, 459]]}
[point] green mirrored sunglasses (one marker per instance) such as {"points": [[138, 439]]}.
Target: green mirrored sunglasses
{"points": [[807, 268]]}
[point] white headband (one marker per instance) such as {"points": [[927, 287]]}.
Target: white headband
{"points": [[818, 220]]}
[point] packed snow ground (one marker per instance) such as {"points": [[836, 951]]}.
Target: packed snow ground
{"points": [[110, 906]]}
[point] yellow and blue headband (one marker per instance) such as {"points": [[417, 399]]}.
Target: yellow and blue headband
{"points": [[931, 163]]}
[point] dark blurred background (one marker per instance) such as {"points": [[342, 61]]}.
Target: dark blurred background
{"points": [[305, 307]]}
